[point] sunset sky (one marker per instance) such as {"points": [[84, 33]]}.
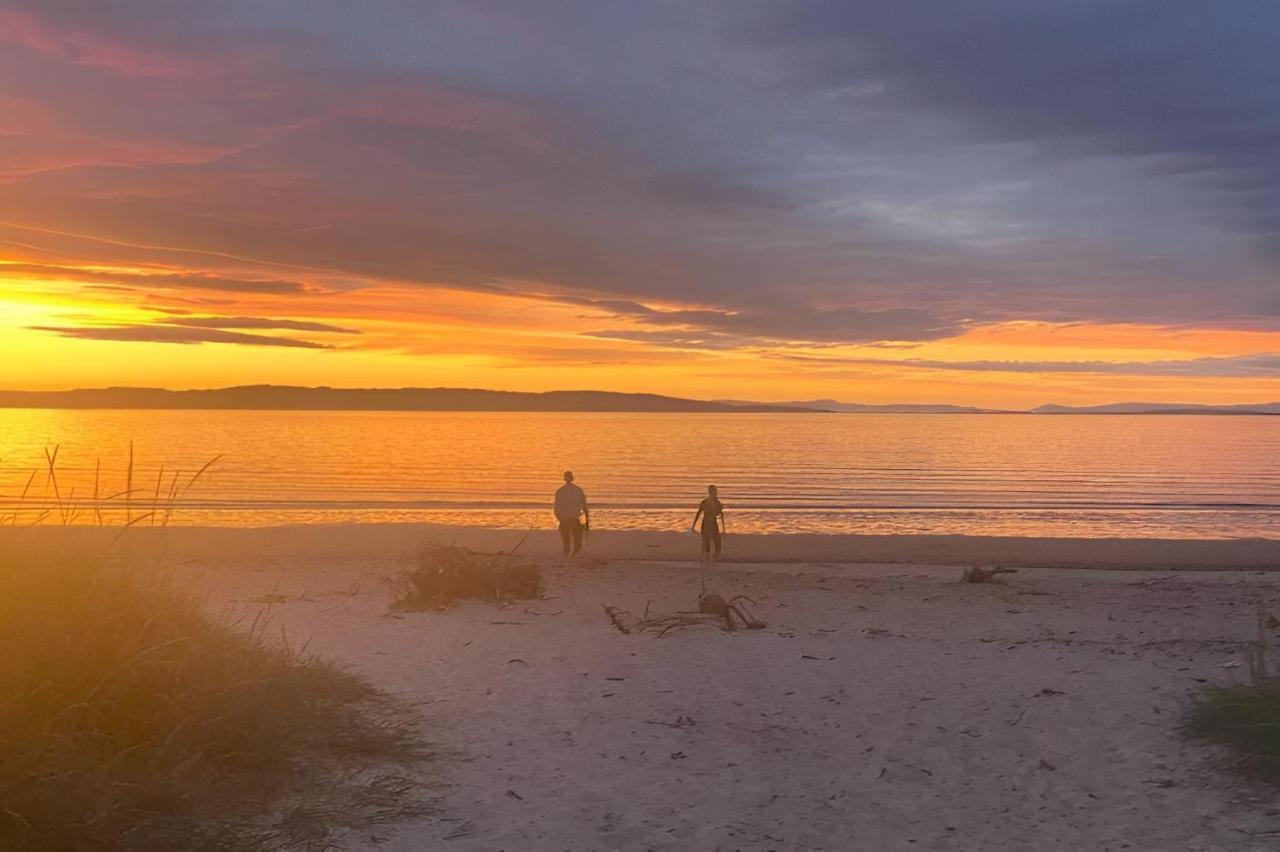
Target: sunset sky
{"points": [[993, 202]]}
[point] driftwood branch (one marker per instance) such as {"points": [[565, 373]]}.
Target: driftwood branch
{"points": [[616, 617], [712, 609], [983, 574]]}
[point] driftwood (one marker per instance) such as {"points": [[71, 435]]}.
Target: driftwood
{"points": [[446, 574], [620, 619], [980, 574], [712, 604], [712, 609]]}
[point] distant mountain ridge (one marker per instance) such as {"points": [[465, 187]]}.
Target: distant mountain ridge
{"points": [[292, 398], [288, 398], [860, 408], [1112, 408], [1160, 408]]}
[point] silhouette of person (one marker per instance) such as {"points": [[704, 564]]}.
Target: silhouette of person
{"points": [[571, 511], [711, 510]]}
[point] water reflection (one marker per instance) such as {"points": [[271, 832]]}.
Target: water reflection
{"points": [[1012, 475]]}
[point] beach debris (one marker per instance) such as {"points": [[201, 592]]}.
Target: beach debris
{"points": [[712, 609], [446, 574], [984, 574], [624, 621], [681, 721], [463, 830], [272, 598], [709, 603]]}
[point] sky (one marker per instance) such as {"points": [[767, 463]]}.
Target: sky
{"points": [[998, 203]]}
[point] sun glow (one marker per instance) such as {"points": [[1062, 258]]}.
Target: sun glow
{"points": [[97, 323]]}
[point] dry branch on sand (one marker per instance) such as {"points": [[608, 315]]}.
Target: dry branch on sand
{"points": [[984, 574], [446, 574], [712, 609]]}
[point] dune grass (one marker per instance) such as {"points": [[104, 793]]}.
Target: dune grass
{"points": [[446, 574], [133, 505], [130, 719], [1245, 717]]}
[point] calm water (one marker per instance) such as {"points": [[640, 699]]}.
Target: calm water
{"points": [[1016, 475]]}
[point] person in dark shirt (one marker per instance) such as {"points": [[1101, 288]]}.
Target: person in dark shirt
{"points": [[572, 513], [711, 511]]}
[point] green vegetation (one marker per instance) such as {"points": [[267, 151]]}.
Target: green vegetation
{"points": [[1246, 717], [446, 574], [130, 719]]}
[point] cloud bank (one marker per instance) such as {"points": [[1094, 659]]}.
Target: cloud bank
{"points": [[722, 176]]}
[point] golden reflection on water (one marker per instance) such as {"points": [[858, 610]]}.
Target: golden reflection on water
{"points": [[1183, 476]]}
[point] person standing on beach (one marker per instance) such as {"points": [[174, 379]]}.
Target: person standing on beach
{"points": [[711, 511], [572, 513]]}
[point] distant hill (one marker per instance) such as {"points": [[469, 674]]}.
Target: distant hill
{"points": [[283, 398], [1113, 408], [288, 398], [1159, 408], [859, 408]]}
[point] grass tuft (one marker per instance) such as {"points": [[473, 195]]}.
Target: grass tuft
{"points": [[1245, 717], [129, 719], [446, 574]]}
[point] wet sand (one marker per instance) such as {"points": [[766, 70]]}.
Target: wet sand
{"points": [[357, 539]]}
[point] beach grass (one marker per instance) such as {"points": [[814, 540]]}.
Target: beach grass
{"points": [[446, 574], [131, 719], [1245, 717]]}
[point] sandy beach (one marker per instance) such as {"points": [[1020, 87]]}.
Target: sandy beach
{"points": [[884, 706]]}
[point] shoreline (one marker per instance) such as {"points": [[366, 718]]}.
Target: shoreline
{"points": [[637, 545]]}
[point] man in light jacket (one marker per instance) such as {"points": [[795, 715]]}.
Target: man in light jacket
{"points": [[572, 513]]}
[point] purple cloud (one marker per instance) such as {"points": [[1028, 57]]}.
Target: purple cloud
{"points": [[259, 323], [170, 334], [820, 172]]}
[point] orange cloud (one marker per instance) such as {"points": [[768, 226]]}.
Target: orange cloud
{"points": [[290, 216]]}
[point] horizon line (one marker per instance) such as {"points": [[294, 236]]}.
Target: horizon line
{"points": [[8, 398]]}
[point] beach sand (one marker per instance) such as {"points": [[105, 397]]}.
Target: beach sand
{"points": [[885, 706]]}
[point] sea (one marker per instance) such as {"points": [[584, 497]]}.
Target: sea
{"points": [[1129, 476]]}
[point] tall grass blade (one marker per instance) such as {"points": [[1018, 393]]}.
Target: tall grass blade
{"points": [[128, 490], [97, 478]]}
